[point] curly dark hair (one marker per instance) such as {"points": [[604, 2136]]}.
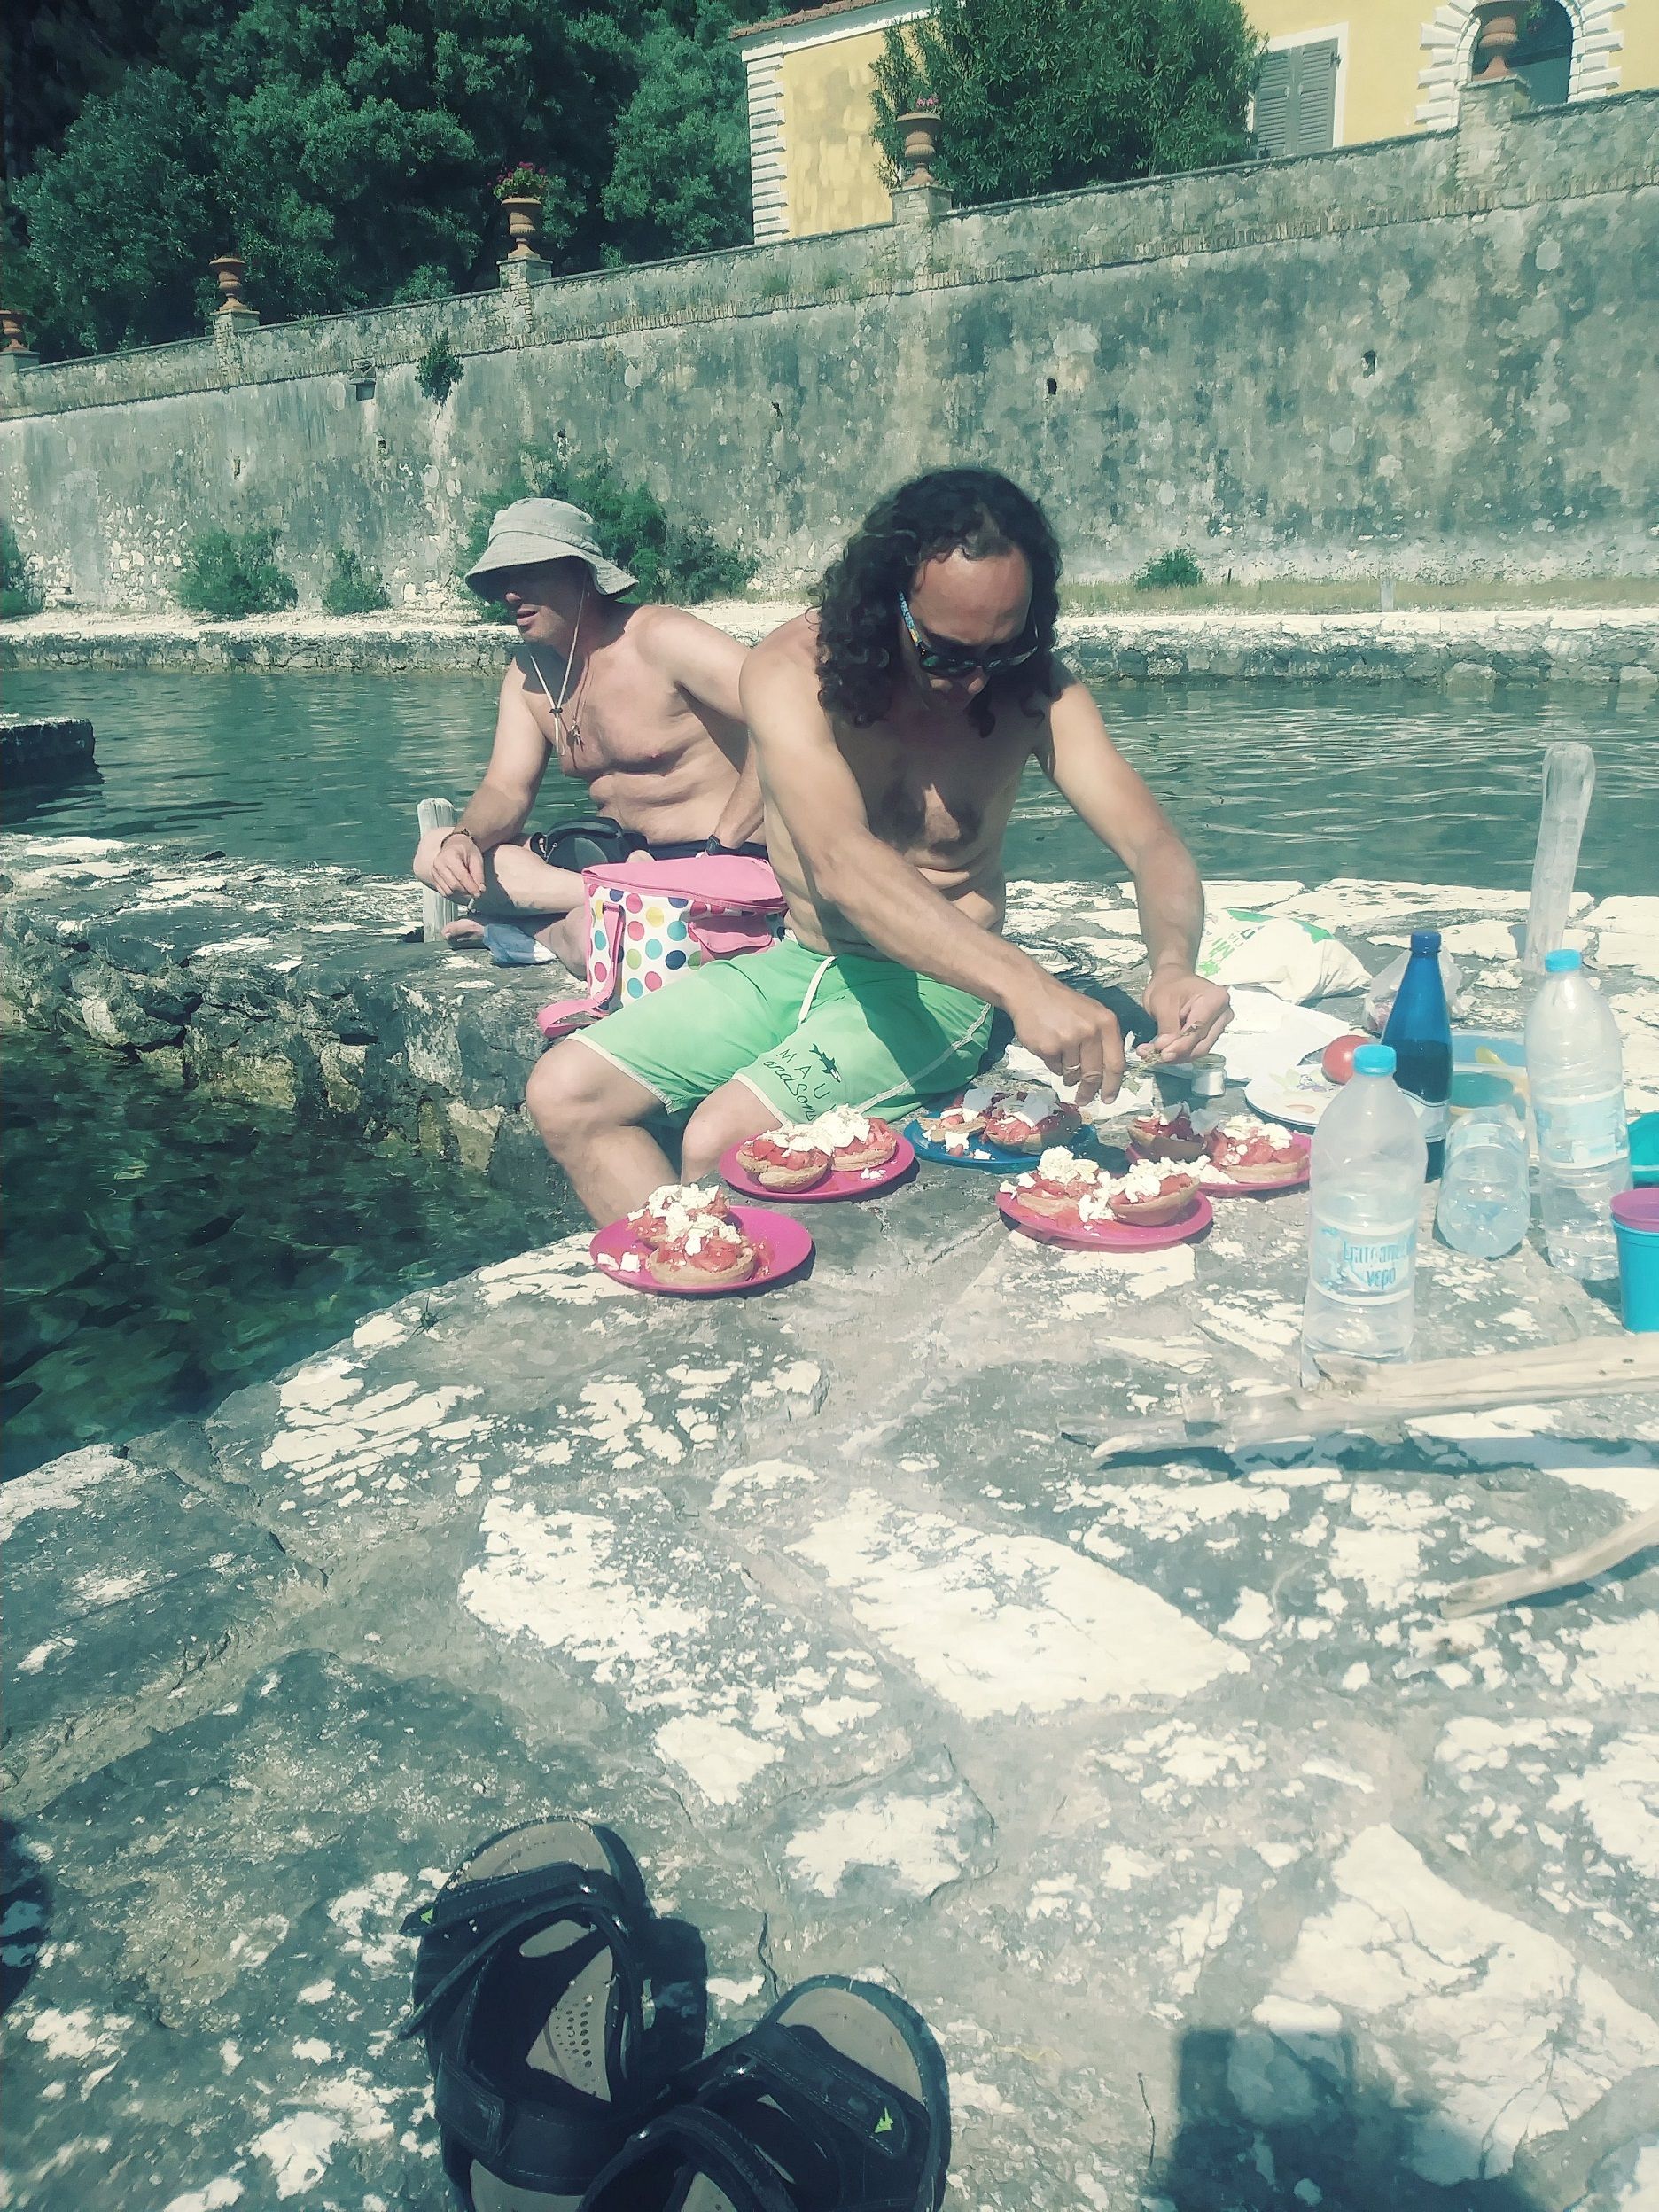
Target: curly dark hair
{"points": [[976, 510]]}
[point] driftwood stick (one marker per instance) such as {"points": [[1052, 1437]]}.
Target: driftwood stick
{"points": [[1488, 1592], [436, 909], [1359, 1395]]}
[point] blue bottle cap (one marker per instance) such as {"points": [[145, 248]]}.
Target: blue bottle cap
{"points": [[1563, 962], [1374, 1060], [1425, 940]]}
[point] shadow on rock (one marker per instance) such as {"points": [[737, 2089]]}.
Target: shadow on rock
{"points": [[26, 1900], [1269, 2122]]}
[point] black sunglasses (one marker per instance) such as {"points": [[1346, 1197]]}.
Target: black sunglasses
{"points": [[961, 660]]}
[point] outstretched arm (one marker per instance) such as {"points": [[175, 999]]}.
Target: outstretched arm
{"points": [[814, 793], [500, 806], [1090, 772], [707, 666]]}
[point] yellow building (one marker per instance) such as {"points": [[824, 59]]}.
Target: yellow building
{"points": [[1327, 79]]}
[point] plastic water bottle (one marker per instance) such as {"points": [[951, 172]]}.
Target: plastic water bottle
{"points": [[1369, 1156], [1420, 1031], [1485, 1203], [1576, 1074]]}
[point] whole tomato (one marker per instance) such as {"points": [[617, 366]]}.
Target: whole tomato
{"points": [[1337, 1060]]}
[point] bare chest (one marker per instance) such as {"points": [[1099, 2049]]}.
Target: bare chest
{"points": [[614, 716], [941, 807]]}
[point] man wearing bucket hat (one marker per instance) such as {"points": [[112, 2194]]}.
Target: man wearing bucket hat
{"points": [[638, 703]]}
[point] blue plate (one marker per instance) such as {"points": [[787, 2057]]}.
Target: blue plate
{"points": [[995, 1159]]}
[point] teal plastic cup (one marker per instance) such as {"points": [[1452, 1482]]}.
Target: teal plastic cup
{"points": [[1636, 1231]]}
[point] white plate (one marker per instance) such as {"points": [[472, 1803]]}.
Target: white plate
{"points": [[1296, 1098]]}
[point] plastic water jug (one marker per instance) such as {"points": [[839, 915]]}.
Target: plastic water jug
{"points": [[1485, 1201], [1576, 1077], [1369, 1159]]}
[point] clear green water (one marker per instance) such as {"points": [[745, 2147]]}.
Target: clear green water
{"points": [[1263, 780], [164, 1249]]}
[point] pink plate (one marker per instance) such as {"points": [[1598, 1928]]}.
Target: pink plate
{"points": [[1228, 1189], [1122, 1236], [781, 1244], [857, 1182]]}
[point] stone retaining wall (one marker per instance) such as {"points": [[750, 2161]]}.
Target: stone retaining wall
{"points": [[1604, 646], [1434, 354]]}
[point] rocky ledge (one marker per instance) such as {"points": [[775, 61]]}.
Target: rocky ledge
{"points": [[1463, 648], [1227, 1871], [310, 988], [33, 750]]}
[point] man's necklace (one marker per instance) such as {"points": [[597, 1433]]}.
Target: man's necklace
{"points": [[566, 732]]}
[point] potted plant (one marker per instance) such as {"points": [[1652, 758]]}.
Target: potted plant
{"points": [[920, 125], [522, 190]]}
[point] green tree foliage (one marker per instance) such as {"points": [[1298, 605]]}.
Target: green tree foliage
{"points": [[1042, 96], [680, 180], [228, 577], [674, 558], [123, 222]]}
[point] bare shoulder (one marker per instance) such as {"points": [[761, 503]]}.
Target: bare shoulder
{"points": [[793, 645], [668, 637]]}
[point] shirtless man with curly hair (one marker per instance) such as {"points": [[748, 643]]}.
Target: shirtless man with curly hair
{"points": [[891, 726]]}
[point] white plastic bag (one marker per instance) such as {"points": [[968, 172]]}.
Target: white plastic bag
{"points": [[1293, 960], [1383, 990]]}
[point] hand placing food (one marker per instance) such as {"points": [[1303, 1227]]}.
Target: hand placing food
{"points": [[1076, 1038], [1190, 1015]]}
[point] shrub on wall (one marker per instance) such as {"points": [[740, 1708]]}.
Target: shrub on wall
{"points": [[356, 587], [675, 558], [1168, 571], [226, 577], [440, 369], [20, 594]]}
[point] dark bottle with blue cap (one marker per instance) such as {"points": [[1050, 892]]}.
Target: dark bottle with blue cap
{"points": [[1420, 1031]]}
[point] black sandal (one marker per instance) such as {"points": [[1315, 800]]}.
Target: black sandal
{"points": [[529, 1986], [837, 2102]]}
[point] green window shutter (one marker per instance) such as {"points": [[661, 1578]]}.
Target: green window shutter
{"points": [[1273, 105], [1315, 103], [1296, 99]]}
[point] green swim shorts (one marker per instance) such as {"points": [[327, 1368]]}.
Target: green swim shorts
{"points": [[803, 1033]]}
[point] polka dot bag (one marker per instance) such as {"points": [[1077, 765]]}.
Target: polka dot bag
{"points": [[650, 921]]}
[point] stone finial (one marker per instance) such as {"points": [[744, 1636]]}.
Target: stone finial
{"points": [[1499, 36], [11, 332], [232, 270]]}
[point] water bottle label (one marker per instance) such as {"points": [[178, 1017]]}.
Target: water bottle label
{"points": [[1434, 1117], [1584, 1133], [1344, 1265]]}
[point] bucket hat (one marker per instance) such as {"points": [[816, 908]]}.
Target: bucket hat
{"points": [[532, 530]]}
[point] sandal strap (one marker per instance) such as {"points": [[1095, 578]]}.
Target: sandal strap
{"points": [[526, 2145], [459, 1904], [595, 1900], [797, 2066], [705, 2145]]}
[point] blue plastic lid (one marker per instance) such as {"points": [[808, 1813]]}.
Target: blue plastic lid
{"points": [[1374, 1060], [1425, 940], [1563, 962]]}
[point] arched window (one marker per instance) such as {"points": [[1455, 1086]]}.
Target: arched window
{"points": [[1543, 59]]}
